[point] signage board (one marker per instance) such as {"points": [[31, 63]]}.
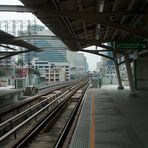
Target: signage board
{"points": [[131, 45]]}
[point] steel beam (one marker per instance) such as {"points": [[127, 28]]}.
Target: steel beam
{"points": [[8, 47], [66, 22], [117, 71], [37, 37], [83, 22], [95, 18], [99, 8], [96, 43], [13, 54], [110, 18], [97, 53], [9, 39], [122, 20], [96, 15], [17, 8]]}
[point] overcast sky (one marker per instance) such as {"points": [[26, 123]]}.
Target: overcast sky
{"points": [[91, 59]]}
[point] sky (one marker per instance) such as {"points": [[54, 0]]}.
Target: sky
{"points": [[91, 59]]}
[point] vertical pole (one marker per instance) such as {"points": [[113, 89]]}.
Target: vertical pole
{"points": [[117, 72], [130, 75]]}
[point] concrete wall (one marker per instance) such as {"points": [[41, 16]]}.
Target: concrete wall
{"points": [[108, 81], [141, 73]]}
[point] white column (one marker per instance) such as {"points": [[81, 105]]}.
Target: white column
{"points": [[130, 75], [118, 72]]}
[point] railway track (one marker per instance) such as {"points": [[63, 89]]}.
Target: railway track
{"points": [[30, 101], [57, 106]]}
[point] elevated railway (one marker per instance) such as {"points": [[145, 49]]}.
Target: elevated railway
{"points": [[40, 116]]}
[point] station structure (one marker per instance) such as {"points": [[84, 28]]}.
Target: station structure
{"points": [[110, 117]]}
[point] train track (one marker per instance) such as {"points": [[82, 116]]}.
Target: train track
{"points": [[40, 122], [24, 104], [20, 112]]}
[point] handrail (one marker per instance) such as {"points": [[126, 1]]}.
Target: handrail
{"points": [[23, 112], [21, 142], [28, 119], [70, 120], [29, 99], [34, 115]]}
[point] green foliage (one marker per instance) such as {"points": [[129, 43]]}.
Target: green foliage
{"points": [[20, 62], [34, 71], [2, 73]]}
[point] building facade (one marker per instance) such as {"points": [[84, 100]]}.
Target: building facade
{"points": [[78, 64], [52, 72]]}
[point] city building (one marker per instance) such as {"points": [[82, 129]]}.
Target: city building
{"points": [[78, 64], [52, 72], [53, 50]]}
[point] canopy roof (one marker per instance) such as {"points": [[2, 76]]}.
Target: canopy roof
{"points": [[82, 23]]}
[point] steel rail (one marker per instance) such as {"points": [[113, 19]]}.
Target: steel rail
{"points": [[24, 112], [33, 98], [69, 123], [28, 119], [9, 121], [29, 135], [13, 131]]}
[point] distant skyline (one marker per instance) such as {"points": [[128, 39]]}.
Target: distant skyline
{"points": [[91, 59]]}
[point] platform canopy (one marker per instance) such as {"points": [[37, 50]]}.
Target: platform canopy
{"points": [[8, 42], [82, 23]]}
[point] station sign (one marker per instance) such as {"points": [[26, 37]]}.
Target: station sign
{"points": [[131, 45]]}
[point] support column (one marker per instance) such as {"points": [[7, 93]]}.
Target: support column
{"points": [[117, 72], [130, 75]]}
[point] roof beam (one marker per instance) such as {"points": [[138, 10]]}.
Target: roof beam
{"points": [[8, 47], [83, 22], [122, 20], [66, 22], [99, 8], [12, 8], [97, 53], [113, 9], [95, 15], [18, 8], [37, 37], [96, 43], [97, 18], [6, 38], [13, 54]]}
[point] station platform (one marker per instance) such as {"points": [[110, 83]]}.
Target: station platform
{"points": [[4, 91], [8, 97], [110, 118]]}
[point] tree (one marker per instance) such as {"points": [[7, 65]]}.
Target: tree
{"points": [[20, 62], [2, 73], [34, 71]]}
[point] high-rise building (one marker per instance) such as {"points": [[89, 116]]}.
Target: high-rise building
{"points": [[53, 50], [78, 63], [52, 72]]}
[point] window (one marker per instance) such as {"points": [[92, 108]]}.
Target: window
{"points": [[41, 62], [57, 75]]}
